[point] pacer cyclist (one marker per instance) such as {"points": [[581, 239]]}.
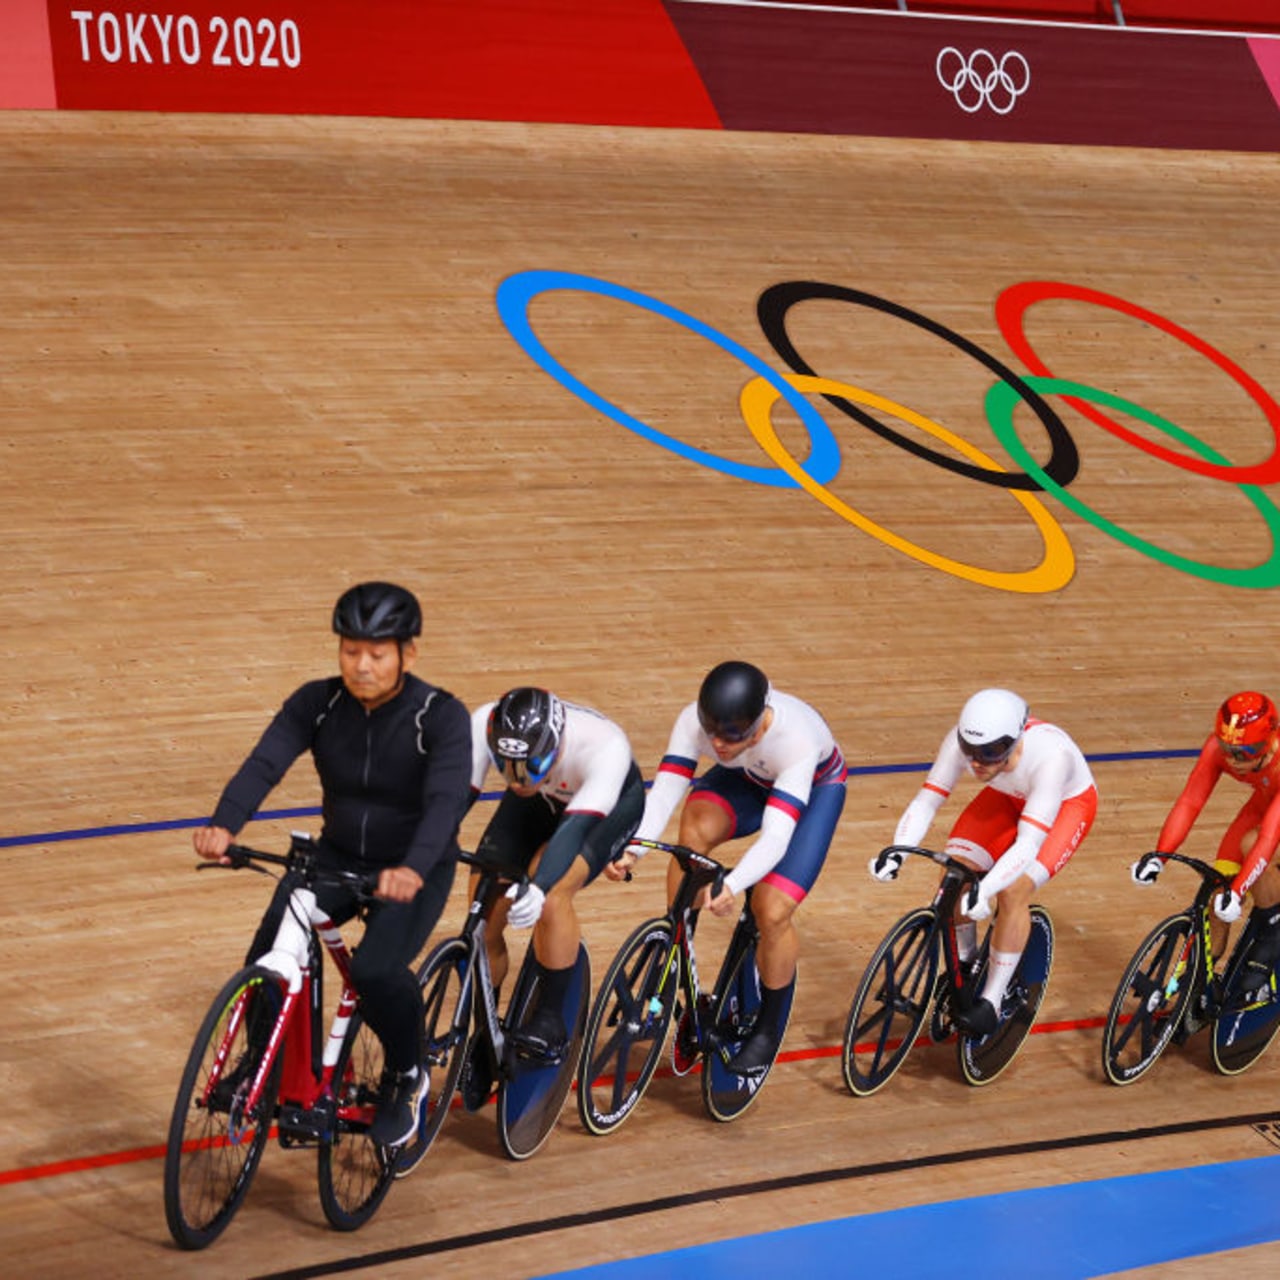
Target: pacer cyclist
{"points": [[1243, 744], [1036, 805], [573, 797], [777, 771], [393, 754]]}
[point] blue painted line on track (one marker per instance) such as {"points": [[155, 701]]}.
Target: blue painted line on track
{"points": [[1078, 1231], [179, 824]]}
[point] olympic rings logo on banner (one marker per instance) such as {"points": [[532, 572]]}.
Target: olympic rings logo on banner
{"points": [[814, 473], [980, 80]]}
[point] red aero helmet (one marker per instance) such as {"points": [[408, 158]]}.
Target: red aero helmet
{"points": [[1245, 724]]}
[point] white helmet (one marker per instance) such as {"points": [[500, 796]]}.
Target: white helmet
{"points": [[991, 725]]}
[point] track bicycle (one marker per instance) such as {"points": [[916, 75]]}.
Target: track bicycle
{"points": [[262, 1062], [460, 1008], [916, 975], [652, 980], [1170, 990]]}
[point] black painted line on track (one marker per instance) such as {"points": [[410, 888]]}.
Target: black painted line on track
{"points": [[543, 1226]]}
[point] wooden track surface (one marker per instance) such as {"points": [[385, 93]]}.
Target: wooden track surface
{"points": [[245, 362]]}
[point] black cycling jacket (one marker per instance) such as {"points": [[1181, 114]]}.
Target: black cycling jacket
{"points": [[395, 780]]}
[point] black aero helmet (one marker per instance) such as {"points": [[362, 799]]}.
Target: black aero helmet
{"points": [[732, 701], [524, 733], [377, 611]]}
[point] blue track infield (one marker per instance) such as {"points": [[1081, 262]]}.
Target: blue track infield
{"points": [[1073, 1232]]}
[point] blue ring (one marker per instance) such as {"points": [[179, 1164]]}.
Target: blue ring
{"points": [[516, 293]]}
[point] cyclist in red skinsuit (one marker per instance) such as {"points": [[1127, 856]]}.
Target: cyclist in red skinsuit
{"points": [[1243, 746]]}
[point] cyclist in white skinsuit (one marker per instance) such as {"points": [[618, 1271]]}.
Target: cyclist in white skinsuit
{"points": [[777, 771], [1037, 804]]}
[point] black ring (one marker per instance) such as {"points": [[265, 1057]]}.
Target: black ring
{"points": [[777, 300]]}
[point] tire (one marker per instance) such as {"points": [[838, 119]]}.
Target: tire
{"points": [[1150, 1001], [355, 1173], [891, 1003], [628, 1026], [213, 1146], [725, 1093], [445, 981], [531, 1093], [1242, 1032], [984, 1058]]}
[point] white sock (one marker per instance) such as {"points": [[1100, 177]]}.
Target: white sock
{"points": [[1000, 969]]}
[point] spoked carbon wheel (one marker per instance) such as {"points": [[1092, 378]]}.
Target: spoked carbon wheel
{"points": [[532, 1090], [628, 1026], [215, 1139], [1243, 1029], [725, 1093], [891, 1003], [355, 1172], [1151, 999], [446, 993]]}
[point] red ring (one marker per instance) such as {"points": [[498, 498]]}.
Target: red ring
{"points": [[1013, 304]]}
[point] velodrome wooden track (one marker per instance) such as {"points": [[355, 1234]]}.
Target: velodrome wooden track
{"points": [[244, 362]]}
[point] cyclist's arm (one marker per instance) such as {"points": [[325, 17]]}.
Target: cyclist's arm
{"points": [[918, 816], [445, 732], [1195, 795], [1264, 847], [287, 736], [776, 829], [674, 775]]}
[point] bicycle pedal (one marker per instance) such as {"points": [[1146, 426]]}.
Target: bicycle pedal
{"points": [[305, 1126]]}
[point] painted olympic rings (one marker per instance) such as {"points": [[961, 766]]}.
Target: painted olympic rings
{"points": [[1053, 572], [516, 293], [1000, 404], [772, 309], [762, 392], [1012, 306], [981, 80]]}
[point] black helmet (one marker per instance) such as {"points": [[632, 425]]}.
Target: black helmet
{"points": [[377, 611], [732, 701], [524, 732]]}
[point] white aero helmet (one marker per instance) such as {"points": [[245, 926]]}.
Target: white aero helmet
{"points": [[991, 725]]}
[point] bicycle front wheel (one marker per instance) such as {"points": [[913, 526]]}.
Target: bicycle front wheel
{"points": [[1148, 1005], [628, 1026], [891, 1003], [216, 1137], [355, 1173], [444, 980]]}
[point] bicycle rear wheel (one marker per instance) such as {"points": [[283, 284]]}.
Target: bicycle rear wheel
{"points": [[725, 1093], [532, 1092], [983, 1058], [446, 994], [355, 1173], [1242, 1032], [891, 1003], [1149, 1003], [214, 1142], [628, 1026]]}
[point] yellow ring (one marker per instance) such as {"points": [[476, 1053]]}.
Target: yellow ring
{"points": [[1052, 573]]}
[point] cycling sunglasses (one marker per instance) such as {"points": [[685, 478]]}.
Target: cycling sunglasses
{"points": [[988, 753]]}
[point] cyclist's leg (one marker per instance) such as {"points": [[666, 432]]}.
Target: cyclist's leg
{"points": [[1237, 840], [391, 1000], [773, 904]]}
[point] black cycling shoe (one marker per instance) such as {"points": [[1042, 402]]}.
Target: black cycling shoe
{"points": [[543, 1035], [757, 1053], [980, 1019], [400, 1106]]}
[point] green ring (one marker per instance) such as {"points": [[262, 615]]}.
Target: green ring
{"points": [[999, 405]]}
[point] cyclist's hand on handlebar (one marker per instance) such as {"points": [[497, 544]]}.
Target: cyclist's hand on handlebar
{"points": [[620, 867], [398, 884], [885, 865], [723, 904], [212, 843], [1226, 906], [976, 907], [1147, 869], [526, 905]]}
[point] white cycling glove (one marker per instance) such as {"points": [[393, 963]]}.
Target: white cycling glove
{"points": [[1147, 869], [526, 906], [1226, 906]]}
